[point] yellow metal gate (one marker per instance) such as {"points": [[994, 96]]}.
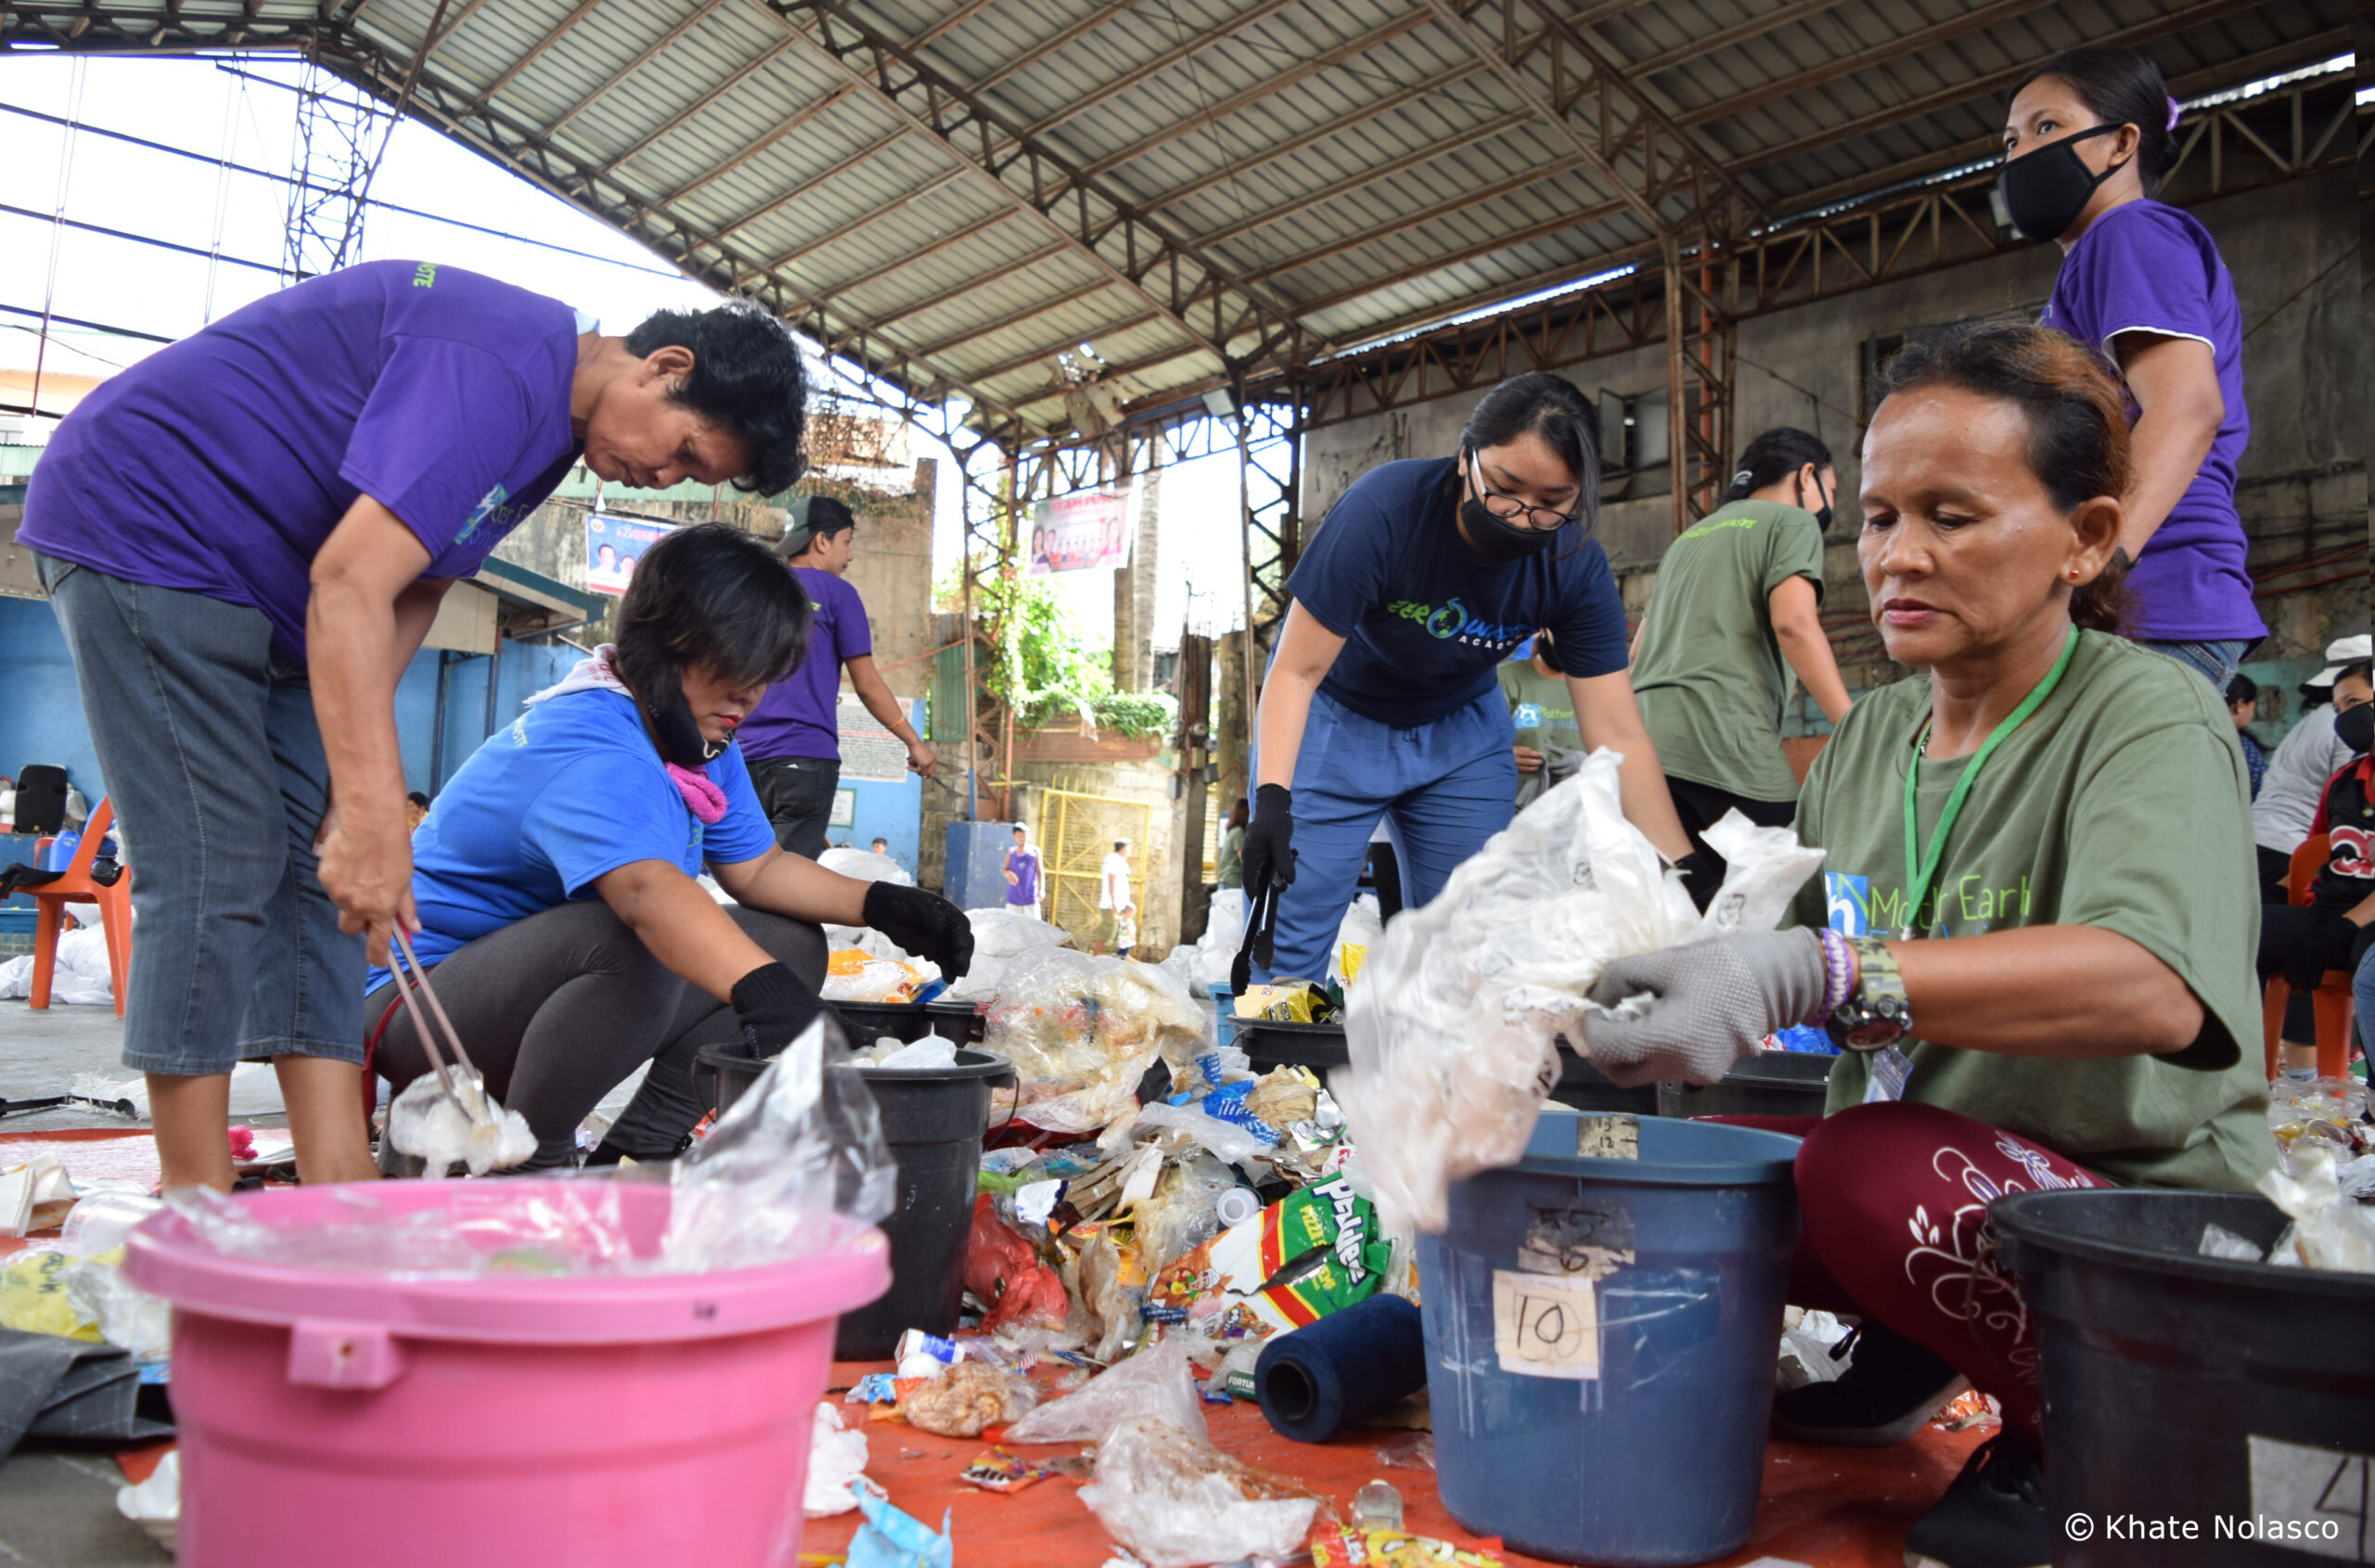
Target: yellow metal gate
{"points": [[1084, 828]]}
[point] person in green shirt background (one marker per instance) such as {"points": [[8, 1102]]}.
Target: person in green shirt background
{"points": [[1543, 712], [1232, 856], [2033, 928], [1737, 594]]}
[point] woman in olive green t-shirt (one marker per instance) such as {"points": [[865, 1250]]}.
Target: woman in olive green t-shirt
{"points": [[2057, 994]]}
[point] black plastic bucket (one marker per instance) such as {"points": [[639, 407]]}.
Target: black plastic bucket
{"points": [[1320, 1047], [1768, 1084], [933, 1123], [2235, 1397]]}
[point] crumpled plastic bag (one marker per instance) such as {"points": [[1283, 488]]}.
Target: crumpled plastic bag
{"points": [[1001, 936], [424, 1122], [1177, 1502], [891, 1539], [1183, 1213], [1082, 1029], [1453, 1028], [931, 1054], [1225, 1139], [1155, 1383], [2329, 1229], [967, 1399], [1006, 1275], [836, 1458], [864, 865], [799, 1154]]}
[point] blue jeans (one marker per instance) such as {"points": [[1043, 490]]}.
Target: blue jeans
{"points": [[2215, 662], [214, 764], [1443, 787]]}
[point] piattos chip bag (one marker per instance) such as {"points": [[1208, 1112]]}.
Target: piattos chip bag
{"points": [[1346, 1547], [1306, 1255]]}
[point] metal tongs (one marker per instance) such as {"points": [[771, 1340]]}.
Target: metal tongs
{"points": [[472, 1103]]}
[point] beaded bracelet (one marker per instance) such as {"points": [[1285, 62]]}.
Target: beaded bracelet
{"points": [[1838, 972]]}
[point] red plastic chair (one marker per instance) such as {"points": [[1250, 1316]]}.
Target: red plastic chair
{"points": [[2332, 998], [75, 886]]}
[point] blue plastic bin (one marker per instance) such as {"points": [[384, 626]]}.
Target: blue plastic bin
{"points": [[1600, 1338]]}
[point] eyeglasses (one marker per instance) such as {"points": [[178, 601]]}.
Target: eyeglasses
{"points": [[1510, 508]]}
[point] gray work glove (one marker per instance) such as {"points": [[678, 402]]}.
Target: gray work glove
{"points": [[1708, 1004]]}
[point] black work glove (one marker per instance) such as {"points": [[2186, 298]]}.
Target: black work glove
{"points": [[1269, 851], [1703, 877], [774, 1006], [2306, 963], [922, 923]]}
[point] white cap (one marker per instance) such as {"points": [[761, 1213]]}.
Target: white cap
{"points": [[2342, 651]]}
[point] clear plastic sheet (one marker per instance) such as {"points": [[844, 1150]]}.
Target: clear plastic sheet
{"points": [[802, 1146], [1155, 1384], [1183, 1213], [1000, 937], [1080, 1030], [1177, 1502], [800, 1154], [1453, 1026]]}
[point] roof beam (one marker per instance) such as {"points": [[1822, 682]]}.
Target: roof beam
{"points": [[1724, 38], [970, 128], [511, 72], [1327, 59], [1404, 222], [1029, 312], [959, 290], [1193, 45], [708, 98], [1484, 130], [1080, 28], [1025, 360], [1319, 133], [835, 235], [1995, 82], [609, 84], [949, 23], [764, 142], [1904, 44], [814, 183], [1483, 247]]}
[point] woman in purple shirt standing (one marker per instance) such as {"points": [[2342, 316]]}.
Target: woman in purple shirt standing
{"points": [[2086, 143], [246, 536]]}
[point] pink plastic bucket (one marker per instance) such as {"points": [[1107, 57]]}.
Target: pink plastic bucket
{"points": [[375, 1421]]}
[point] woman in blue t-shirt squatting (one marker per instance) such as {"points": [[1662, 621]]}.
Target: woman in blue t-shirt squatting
{"points": [[554, 874], [1382, 698], [246, 536], [2087, 139]]}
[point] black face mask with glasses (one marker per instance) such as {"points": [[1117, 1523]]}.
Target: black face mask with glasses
{"points": [[1498, 540]]}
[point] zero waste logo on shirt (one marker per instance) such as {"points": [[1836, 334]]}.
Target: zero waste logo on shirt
{"points": [[489, 507], [1453, 623]]}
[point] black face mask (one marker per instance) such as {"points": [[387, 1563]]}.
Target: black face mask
{"points": [[1497, 542], [1822, 513], [680, 739], [2355, 728], [2046, 190]]}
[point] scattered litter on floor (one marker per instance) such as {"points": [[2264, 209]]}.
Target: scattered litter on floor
{"points": [[835, 1462], [156, 1504]]}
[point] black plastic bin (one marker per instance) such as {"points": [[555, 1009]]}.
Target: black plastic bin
{"points": [[933, 1123], [1768, 1084], [1321, 1045], [2193, 1389]]}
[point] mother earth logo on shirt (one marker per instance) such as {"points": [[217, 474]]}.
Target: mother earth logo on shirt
{"points": [[1454, 621]]}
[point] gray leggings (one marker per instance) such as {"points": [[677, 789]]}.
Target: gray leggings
{"points": [[558, 1008]]}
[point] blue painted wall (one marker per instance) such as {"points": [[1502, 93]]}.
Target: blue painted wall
{"points": [[42, 721]]}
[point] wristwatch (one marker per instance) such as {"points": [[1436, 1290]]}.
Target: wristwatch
{"points": [[1876, 1014]]}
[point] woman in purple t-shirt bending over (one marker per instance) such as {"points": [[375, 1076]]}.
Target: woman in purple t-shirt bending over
{"points": [[2086, 143], [246, 536]]}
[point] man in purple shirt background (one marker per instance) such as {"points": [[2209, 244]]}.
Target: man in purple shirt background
{"points": [[246, 536], [792, 739], [1022, 873]]}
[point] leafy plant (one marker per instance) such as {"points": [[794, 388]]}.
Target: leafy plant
{"points": [[1046, 672]]}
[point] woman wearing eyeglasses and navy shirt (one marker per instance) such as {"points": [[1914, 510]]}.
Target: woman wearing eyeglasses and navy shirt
{"points": [[1383, 698], [2089, 138]]}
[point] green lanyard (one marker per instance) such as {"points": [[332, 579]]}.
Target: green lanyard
{"points": [[1923, 868]]}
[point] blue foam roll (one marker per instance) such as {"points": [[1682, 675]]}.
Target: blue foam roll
{"points": [[1342, 1370]]}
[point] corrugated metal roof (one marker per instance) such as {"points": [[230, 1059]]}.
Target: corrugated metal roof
{"points": [[958, 191]]}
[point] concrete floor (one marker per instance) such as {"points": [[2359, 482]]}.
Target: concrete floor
{"points": [[58, 1508]]}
